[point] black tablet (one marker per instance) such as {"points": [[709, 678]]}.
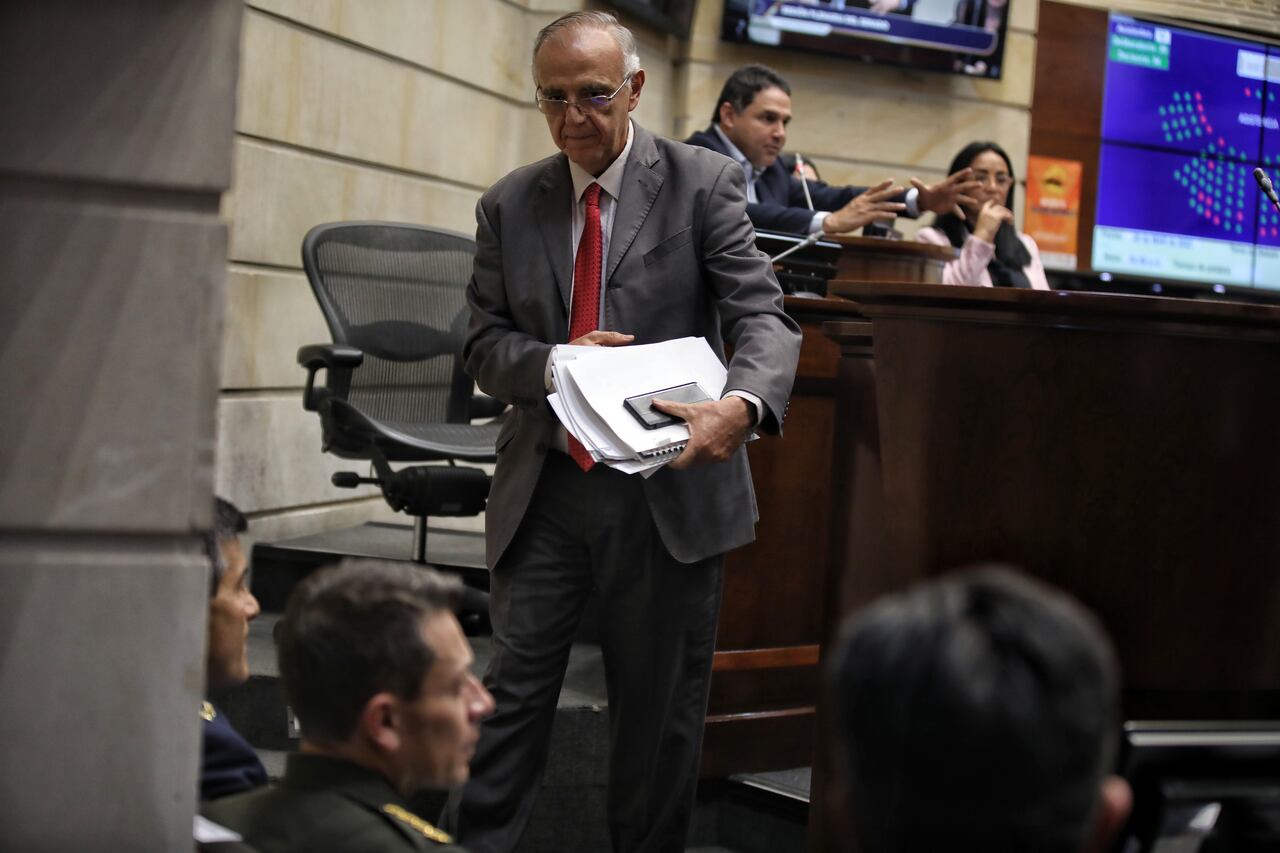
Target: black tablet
{"points": [[641, 405]]}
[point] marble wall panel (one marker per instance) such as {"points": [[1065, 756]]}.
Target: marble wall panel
{"points": [[269, 454], [307, 520], [109, 322], [279, 194], [535, 138], [657, 100], [329, 96], [1024, 15], [145, 100], [101, 677], [430, 35], [270, 314], [555, 8]]}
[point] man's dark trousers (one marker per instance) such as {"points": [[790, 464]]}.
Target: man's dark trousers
{"points": [[588, 533]]}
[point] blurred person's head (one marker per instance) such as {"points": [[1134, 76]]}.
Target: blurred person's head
{"points": [[979, 712], [753, 110], [588, 78], [231, 605], [377, 671]]}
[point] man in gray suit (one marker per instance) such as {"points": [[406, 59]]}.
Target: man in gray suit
{"points": [[622, 238]]}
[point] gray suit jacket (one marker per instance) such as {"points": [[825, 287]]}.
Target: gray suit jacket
{"points": [[682, 261]]}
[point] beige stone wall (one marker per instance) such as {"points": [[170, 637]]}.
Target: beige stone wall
{"points": [[408, 109], [358, 109]]}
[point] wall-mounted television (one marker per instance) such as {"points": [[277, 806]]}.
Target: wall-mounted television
{"points": [[1187, 116], [956, 36]]}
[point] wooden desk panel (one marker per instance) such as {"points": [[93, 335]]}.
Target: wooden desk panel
{"points": [[1122, 448], [765, 673]]}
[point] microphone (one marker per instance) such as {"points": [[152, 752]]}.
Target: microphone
{"points": [[1264, 183], [803, 244], [800, 174]]}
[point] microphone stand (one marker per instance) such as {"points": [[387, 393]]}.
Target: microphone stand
{"points": [[803, 244], [808, 199], [1264, 184], [804, 183]]}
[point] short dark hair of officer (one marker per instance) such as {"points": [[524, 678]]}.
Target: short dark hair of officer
{"points": [[741, 88], [377, 671], [979, 712]]}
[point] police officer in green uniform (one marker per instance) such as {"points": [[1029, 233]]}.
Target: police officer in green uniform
{"points": [[377, 671]]}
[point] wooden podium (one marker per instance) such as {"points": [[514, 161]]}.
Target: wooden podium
{"points": [[765, 672], [879, 259], [1121, 447], [764, 681]]}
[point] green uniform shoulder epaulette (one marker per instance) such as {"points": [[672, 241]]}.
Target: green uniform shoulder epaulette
{"points": [[406, 816]]}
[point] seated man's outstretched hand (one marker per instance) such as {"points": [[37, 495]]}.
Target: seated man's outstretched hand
{"points": [[947, 195], [873, 204], [716, 429]]}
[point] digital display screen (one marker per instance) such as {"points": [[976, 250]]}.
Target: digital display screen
{"points": [[1187, 117], [959, 36]]}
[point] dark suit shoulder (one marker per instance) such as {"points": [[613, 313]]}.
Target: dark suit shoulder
{"points": [[706, 139], [691, 153]]}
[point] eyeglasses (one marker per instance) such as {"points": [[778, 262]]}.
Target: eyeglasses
{"points": [[1001, 180], [593, 104]]}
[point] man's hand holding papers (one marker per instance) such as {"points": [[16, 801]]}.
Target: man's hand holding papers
{"points": [[592, 380], [601, 338], [716, 429]]}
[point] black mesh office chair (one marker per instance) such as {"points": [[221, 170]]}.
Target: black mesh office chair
{"points": [[395, 391]]}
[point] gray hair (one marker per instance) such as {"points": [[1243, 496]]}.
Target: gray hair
{"points": [[592, 20]]}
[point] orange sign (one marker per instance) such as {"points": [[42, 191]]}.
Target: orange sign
{"points": [[1053, 209]]}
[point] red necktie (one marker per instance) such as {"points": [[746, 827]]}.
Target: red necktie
{"points": [[584, 314]]}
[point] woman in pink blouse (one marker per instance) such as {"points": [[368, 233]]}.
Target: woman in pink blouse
{"points": [[992, 252]]}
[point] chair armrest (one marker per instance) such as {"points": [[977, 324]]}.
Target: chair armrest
{"points": [[484, 406], [331, 357], [315, 356]]}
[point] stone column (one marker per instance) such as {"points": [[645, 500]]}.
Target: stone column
{"points": [[115, 148]]}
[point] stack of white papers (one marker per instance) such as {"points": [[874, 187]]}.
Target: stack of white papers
{"points": [[592, 382]]}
